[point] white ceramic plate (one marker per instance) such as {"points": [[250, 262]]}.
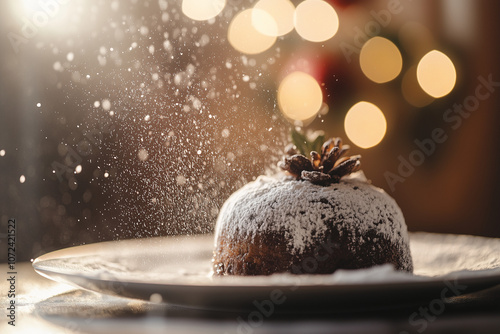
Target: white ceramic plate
{"points": [[176, 270]]}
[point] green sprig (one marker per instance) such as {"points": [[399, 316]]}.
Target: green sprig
{"points": [[305, 146]]}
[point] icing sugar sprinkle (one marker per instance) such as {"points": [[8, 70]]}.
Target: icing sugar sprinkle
{"points": [[300, 210]]}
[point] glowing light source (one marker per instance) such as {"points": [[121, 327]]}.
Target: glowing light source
{"points": [[299, 96], [412, 92], [380, 60], [316, 20], [365, 124], [279, 11], [202, 10], [36, 15], [436, 74], [244, 37], [31, 5], [264, 22]]}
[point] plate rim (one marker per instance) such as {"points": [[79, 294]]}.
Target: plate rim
{"points": [[220, 296], [55, 255]]}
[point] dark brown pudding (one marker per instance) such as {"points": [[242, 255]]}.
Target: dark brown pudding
{"points": [[305, 225]]}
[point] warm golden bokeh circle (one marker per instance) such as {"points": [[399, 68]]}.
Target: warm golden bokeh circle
{"points": [[365, 124], [279, 19], [380, 60], [299, 96], [436, 74], [243, 36], [316, 20], [202, 10]]}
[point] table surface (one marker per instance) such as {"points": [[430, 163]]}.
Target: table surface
{"points": [[44, 306]]}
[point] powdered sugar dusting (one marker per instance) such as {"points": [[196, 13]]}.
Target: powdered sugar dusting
{"points": [[300, 210], [453, 253]]}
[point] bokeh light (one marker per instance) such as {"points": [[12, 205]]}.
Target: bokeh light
{"points": [[380, 60], [202, 10], [365, 124], [243, 36], [316, 20], [436, 74], [281, 12], [299, 96], [412, 92], [264, 22]]}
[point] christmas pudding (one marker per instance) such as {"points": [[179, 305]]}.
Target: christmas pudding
{"points": [[319, 216]]}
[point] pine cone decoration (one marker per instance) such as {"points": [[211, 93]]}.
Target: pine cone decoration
{"points": [[322, 169]]}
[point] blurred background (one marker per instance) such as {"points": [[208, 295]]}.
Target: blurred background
{"points": [[127, 119]]}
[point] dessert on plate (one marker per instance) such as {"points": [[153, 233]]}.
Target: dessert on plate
{"points": [[318, 216]]}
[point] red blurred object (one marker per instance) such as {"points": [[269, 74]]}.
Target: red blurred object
{"points": [[306, 60]]}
